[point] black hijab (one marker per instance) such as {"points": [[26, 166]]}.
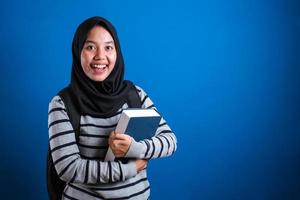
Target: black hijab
{"points": [[98, 99]]}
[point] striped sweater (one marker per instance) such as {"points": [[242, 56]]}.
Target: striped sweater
{"points": [[80, 163]]}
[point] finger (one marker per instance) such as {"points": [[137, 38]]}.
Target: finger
{"points": [[119, 145], [119, 153], [116, 144], [120, 136], [111, 138], [123, 143], [113, 134]]}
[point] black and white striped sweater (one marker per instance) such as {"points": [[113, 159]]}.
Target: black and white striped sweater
{"points": [[81, 163]]}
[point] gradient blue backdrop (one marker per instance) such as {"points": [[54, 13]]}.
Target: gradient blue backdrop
{"points": [[224, 74]]}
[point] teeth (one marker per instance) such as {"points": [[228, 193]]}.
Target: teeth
{"points": [[98, 66]]}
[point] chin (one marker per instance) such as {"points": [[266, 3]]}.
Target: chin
{"points": [[98, 79]]}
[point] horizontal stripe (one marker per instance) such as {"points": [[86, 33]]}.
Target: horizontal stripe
{"points": [[160, 125], [151, 106], [98, 126], [92, 147], [58, 121], [84, 191], [119, 187], [117, 113], [94, 136], [64, 157], [69, 197], [62, 146], [92, 157], [164, 131], [57, 109], [118, 198], [60, 133], [130, 196]]}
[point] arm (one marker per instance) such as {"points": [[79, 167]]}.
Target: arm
{"points": [[65, 153], [163, 144]]}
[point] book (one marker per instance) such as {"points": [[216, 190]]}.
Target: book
{"points": [[139, 123]]}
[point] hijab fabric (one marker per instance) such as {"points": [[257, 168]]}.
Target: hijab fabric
{"points": [[98, 98]]}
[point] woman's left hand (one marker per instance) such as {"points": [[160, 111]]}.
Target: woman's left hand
{"points": [[119, 143]]}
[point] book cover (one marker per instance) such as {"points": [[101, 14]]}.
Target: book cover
{"points": [[138, 123]]}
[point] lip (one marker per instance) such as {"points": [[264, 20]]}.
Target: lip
{"points": [[98, 66], [99, 63], [99, 69]]}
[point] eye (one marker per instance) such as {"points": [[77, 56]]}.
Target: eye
{"points": [[109, 48], [90, 47]]}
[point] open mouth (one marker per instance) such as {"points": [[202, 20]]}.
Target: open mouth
{"points": [[97, 68]]}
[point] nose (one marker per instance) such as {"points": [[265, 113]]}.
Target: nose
{"points": [[100, 54]]}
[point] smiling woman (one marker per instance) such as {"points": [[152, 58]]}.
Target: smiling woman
{"points": [[98, 56], [100, 94]]}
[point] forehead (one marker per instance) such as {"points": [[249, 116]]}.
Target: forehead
{"points": [[99, 33]]}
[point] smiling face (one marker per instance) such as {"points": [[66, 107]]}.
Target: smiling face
{"points": [[98, 55]]}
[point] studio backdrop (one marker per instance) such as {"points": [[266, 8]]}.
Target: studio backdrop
{"points": [[224, 74]]}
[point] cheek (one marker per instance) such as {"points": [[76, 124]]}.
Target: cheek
{"points": [[113, 58], [84, 59]]}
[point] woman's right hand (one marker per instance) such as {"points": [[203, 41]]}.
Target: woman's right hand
{"points": [[140, 165]]}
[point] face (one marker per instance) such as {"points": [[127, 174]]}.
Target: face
{"points": [[98, 55]]}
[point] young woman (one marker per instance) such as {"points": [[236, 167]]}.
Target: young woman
{"points": [[100, 93]]}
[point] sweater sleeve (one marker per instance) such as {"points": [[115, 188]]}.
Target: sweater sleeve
{"points": [[163, 144], [66, 157]]}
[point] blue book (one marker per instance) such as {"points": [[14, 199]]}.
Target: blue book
{"points": [[138, 123]]}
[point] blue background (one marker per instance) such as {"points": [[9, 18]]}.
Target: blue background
{"points": [[224, 74]]}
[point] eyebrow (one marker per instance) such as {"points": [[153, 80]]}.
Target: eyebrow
{"points": [[108, 42]]}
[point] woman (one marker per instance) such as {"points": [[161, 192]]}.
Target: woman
{"points": [[100, 95]]}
